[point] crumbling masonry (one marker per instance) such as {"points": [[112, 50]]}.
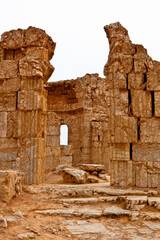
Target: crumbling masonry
{"points": [[114, 120]]}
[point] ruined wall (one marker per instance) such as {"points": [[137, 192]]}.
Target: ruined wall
{"points": [[132, 79], [114, 120], [24, 68], [81, 105]]}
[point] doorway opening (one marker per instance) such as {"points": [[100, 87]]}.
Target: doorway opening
{"points": [[64, 134]]}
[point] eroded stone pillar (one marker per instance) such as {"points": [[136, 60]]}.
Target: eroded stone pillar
{"points": [[31, 50]]}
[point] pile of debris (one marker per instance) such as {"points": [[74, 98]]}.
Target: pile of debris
{"points": [[86, 173]]}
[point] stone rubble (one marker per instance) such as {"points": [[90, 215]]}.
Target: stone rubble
{"points": [[71, 175], [3, 222]]}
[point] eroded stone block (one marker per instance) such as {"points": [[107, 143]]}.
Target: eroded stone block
{"points": [[7, 185], [136, 81], [121, 173], [141, 103], [3, 124], [122, 129], [157, 103], [119, 151], [74, 176], [146, 152], [149, 130], [31, 100], [8, 69]]}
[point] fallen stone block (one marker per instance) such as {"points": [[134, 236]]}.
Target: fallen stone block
{"points": [[104, 177], [10, 185], [92, 179], [3, 222], [92, 167], [7, 185], [74, 176]]}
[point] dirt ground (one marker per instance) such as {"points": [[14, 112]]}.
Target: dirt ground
{"points": [[23, 219]]}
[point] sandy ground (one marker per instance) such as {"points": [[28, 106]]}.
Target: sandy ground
{"points": [[21, 211]]}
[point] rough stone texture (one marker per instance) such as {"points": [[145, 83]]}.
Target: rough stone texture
{"points": [[136, 202], [121, 173], [138, 126], [66, 155], [10, 185], [116, 211], [87, 228], [24, 68], [74, 176], [112, 121], [92, 167], [3, 222]]}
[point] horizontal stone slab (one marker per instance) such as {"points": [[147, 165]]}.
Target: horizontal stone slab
{"points": [[86, 229], [116, 211]]}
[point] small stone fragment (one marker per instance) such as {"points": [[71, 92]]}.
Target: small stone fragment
{"points": [[26, 235], [91, 179], [3, 222]]}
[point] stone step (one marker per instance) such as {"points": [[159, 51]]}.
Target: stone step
{"points": [[154, 201], [87, 212], [88, 200], [135, 203], [87, 190], [93, 191]]}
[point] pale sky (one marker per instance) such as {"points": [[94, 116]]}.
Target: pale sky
{"points": [[77, 28]]}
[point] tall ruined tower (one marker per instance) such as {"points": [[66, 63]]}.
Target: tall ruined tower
{"points": [[133, 83], [24, 68]]}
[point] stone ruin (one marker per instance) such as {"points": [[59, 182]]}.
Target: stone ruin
{"points": [[114, 121]]}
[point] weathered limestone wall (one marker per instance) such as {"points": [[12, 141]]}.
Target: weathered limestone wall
{"points": [[132, 79], [113, 121], [66, 155], [24, 68], [81, 105]]}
